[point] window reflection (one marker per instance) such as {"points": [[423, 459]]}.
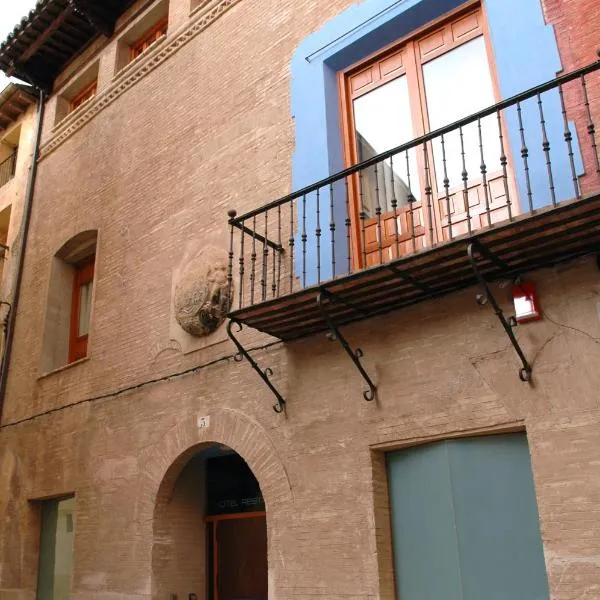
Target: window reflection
{"points": [[382, 119], [458, 84]]}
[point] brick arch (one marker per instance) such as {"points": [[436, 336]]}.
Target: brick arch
{"points": [[162, 464], [171, 511]]}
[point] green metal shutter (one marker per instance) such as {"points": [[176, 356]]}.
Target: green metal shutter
{"points": [[465, 521]]}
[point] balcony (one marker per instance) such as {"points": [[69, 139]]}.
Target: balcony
{"points": [[510, 189], [7, 168]]}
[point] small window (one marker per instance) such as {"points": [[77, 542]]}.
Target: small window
{"points": [[80, 310], [149, 38], [84, 95], [69, 306], [78, 91], [56, 550]]}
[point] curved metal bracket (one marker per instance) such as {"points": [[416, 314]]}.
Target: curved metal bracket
{"points": [[487, 296], [355, 355], [264, 375]]}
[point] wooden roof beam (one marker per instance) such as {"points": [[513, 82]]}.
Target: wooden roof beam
{"points": [[97, 16], [12, 107], [42, 38]]}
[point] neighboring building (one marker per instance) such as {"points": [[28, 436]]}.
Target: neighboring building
{"points": [[139, 453], [17, 141]]}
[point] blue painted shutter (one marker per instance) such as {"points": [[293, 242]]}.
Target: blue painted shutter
{"points": [[465, 521]]}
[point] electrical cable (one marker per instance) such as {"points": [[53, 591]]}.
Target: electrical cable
{"points": [[137, 386]]}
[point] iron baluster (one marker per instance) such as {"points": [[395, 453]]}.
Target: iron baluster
{"points": [[378, 214], [484, 181], [428, 193], [265, 260], [503, 163], [291, 243], [348, 226], [447, 190], [232, 215], [546, 149], [241, 261], [355, 355], [394, 203], [524, 156], [591, 128], [274, 274], [304, 238], [264, 375], [569, 141], [363, 216], [280, 252], [318, 235], [487, 296], [332, 228], [465, 179], [411, 201], [253, 261]]}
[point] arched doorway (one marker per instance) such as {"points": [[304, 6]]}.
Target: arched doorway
{"points": [[210, 531]]}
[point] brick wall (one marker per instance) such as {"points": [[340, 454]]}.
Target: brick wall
{"points": [[155, 172]]}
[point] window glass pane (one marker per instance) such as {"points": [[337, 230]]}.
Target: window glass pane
{"points": [[56, 550], [85, 303], [383, 121], [458, 84]]}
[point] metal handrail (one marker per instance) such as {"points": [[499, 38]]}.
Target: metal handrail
{"points": [[512, 101], [7, 168]]}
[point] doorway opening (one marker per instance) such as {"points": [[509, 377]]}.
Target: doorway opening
{"points": [[210, 530]]}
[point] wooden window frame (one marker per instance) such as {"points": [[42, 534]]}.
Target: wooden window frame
{"points": [[89, 91], [84, 273], [148, 38], [412, 68]]}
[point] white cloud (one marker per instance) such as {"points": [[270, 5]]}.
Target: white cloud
{"points": [[11, 12]]}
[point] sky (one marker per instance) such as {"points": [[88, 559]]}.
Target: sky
{"points": [[11, 12]]}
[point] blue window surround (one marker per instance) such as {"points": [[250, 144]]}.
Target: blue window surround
{"points": [[525, 54]]}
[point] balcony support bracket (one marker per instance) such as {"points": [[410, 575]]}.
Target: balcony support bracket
{"points": [[476, 248], [355, 355], [265, 374]]}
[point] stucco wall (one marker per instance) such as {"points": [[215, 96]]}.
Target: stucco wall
{"points": [[12, 194]]}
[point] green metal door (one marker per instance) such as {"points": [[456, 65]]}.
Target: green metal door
{"points": [[465, 521]]}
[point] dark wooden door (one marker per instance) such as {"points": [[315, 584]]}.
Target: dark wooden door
{"points": [[241, 559]]}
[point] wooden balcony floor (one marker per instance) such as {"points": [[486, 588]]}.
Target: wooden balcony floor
{"points": [[528, 242]]}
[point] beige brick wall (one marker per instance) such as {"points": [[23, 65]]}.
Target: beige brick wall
{"points": [[156, 171]]}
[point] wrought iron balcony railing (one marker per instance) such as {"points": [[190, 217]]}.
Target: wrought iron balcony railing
{"points": [[531, 155], [7, 168]]}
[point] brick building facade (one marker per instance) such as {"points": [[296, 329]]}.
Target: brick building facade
{"points": [[129, 415]]}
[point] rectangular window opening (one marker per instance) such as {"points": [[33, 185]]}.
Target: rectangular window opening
{"points": [[146, 30], [80, 90], [150, 37], [84, 95]]}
